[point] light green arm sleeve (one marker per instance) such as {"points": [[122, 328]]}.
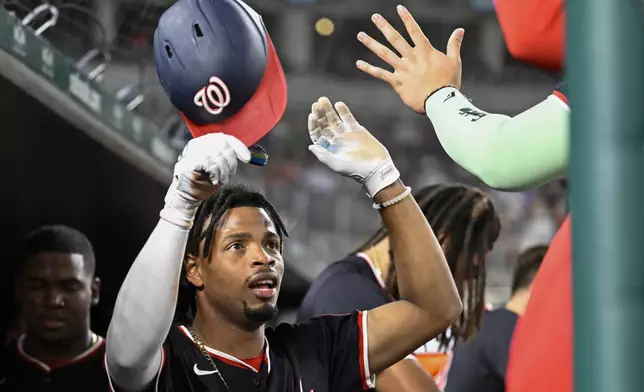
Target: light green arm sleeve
{"points": [[507, 153]]}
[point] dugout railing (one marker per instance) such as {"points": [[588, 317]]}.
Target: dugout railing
{"points": [[72, 90]]}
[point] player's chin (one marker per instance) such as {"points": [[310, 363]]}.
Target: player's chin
{"points": [[259, 314], [52, 335]]}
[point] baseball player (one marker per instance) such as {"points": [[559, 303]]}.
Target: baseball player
{"points": [[467, 226], [227, 242], [480, 364], [224, 243], [56, 289]]}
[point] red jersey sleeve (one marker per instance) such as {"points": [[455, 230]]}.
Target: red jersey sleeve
{"points": [[534, 30]]}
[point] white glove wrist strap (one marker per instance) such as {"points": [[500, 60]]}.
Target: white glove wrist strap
{"points": [[393, 201], [381, 177], [178, 210], [175, 217]]}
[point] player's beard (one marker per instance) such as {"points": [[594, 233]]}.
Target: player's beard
{"points": [[261, 314]]}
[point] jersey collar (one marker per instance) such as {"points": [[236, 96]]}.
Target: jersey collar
{"points": [[229, 358], [98, 342]]}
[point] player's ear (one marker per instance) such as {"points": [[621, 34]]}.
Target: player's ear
{"points": [[96, 291], [193, 272]]}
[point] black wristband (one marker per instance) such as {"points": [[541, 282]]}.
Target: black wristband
{"points": [[434, 92]]}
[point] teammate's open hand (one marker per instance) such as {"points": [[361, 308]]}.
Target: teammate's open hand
{"points": [[419, 70], [346, 147]]}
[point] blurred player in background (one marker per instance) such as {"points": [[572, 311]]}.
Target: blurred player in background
{"points": [[479, 365], [56, 288], [234, 261], [466, 225], [507, 153]]}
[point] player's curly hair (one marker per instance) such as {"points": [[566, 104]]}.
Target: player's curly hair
{"points": [[467, 226], [209, 216]]}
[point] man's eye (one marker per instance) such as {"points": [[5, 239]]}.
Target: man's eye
{"points": [[273, 245], [236, 246], [72, 286]]}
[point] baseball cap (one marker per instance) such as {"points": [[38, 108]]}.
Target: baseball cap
{"points": [[217, 64]]}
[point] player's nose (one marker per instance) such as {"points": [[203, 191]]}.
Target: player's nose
{"points": [[54, 299], [260, 258]]}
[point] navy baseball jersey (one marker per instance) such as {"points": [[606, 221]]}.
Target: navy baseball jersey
{"points": [[351, 284], [480, 363], [325, 354], [344, 286], [21, 372]]}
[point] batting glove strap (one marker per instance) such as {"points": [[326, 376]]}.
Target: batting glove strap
{"points": [[180, 209], [381, 177]]}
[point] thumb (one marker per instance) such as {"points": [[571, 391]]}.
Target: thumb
{"points": [[241, 151], [454, 44], [322, 154]]}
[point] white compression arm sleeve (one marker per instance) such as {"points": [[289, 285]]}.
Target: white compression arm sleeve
{"points": [[145, 307], [507, 153]]}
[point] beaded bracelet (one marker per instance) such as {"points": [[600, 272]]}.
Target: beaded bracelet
{"points": [[393, 201]]}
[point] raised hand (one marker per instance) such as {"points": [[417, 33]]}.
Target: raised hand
{"points": [[420, 69], [205, 163], [347, 148]]}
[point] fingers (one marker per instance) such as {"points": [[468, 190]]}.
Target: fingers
{"points": [[241, 151], [413, 29], [334, 121], [214, 170], [347, 117], [392, 35], [314, 129], [221, 173], [380, 50], [323, 122], [221, 165], [328, 120], [229, 168], [377, 73], [454, 44]]}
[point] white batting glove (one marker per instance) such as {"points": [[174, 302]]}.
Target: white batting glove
{"points": [[205, 163], [346, 147]]}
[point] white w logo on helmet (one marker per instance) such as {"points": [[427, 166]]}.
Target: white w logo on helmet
{"points": [[214, 97]]}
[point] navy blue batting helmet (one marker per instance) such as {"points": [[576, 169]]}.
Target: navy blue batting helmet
{"points": [[218, 66]]}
